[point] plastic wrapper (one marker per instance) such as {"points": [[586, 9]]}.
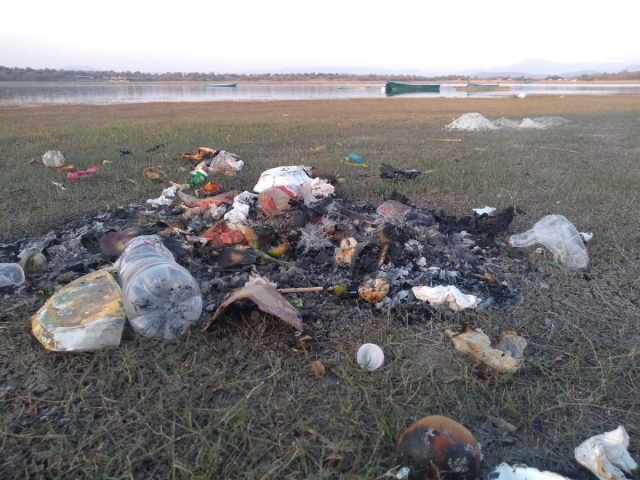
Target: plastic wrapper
{"points": [[87, 314]]}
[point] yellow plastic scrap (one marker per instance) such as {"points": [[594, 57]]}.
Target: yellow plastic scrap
{"points": [[86, 314]]}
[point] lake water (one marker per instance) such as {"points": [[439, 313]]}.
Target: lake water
{"points": [[35, 94]]}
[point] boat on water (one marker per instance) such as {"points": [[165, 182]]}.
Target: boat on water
{"points": [[221, 85], [482, 87], [394, 88]]}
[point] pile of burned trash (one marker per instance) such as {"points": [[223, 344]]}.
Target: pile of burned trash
{"points": [[292, 236]]}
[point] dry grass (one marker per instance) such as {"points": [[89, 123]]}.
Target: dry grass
{"points": [[238, 402]]}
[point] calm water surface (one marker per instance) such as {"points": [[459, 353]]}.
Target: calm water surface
{"points": [[35, 94]]}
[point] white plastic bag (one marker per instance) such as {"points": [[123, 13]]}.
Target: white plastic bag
{"points": [[449, 296], [53, 158], [282, 176], [560, 236]]}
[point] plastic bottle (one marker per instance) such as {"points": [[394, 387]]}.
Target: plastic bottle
{"points": [[161, 298], [11, 274], [560, 236]]}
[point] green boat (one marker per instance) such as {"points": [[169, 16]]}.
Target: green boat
{"points": [[221, 85], [393, 88]]}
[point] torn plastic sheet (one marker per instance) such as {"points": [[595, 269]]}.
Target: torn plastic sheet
{"points": [[240, 208], [267, 299], [606, 455], [521, 472], [505, 354], [485, 210], [257, 279], [165, 199], [449, 296]]}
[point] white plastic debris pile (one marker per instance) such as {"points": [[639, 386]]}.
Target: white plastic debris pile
{"points": [[53, 158], [165, 199], [449, 295], [606, 455], [531, 124], [505, 353], [472, 122], [560, 236], [518, 472], [522, 95]]}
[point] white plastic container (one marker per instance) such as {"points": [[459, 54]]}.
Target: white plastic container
{"points": [[161, 298], [370, 356], [11, 274]]}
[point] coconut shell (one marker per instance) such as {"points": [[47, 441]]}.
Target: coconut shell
{"points": [[439, 448]]}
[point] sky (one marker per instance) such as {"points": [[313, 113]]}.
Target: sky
{"points": [[270, 35]]}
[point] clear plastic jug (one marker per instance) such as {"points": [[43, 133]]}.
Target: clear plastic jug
{"points": [[560, 236], [11, 274], [161, 298]]}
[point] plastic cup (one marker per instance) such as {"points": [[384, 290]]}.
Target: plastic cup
{"points": [[370, 356]]}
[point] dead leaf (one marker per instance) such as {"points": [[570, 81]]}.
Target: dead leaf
{"points": [[153, 173], [202, 153], [319, 148], [267, 299], [106, 162], [318, 368]]}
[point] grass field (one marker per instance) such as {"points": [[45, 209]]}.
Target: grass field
{"points": [[237, 402]]}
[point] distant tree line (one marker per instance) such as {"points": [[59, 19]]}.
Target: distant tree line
{"points": [[599, 77], [8, 74]]}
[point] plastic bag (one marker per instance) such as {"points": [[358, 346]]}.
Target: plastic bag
{"points": [[282, 176], [53, 158], [89, 172], [446, 295], [560, 236]]}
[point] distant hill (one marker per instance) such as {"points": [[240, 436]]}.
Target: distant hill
{"points": [[535, 68]]}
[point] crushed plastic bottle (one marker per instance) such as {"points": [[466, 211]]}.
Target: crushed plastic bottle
{"points": [[161, 298], [398, 213], [560, 236], [11, 274]]}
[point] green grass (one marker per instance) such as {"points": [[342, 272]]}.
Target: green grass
{"points": [[238, 402]]}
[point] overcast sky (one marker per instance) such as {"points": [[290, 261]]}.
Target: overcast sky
{"points": [[266, 35]]}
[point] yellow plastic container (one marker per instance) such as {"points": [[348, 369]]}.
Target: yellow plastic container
{"points": [[85, 315]]}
